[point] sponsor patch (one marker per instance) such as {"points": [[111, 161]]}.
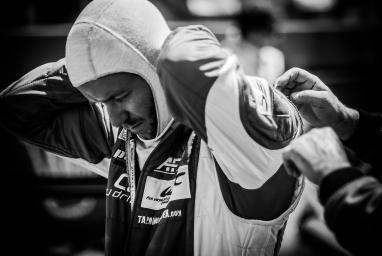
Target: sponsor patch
{"points": [[158, 193], [120, 190], [119, 154], [169, 166]]}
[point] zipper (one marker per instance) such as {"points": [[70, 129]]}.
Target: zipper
{"points": [[140, 179], [130, 164]]}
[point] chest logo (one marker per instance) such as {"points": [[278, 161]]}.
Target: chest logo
{"points": [[169, 166], [158, 193]]}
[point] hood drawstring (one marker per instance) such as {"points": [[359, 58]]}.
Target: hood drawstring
{"points": [[130, 166]]}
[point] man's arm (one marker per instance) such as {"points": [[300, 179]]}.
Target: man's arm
{"points": [[359, 130], [243, 120], [352, 200], [42, 108], [353, 209], [366, 140], [317, 103]]}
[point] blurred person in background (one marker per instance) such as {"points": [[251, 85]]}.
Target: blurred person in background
{"points": [[251, 38], [351, 195], [191, 172]]}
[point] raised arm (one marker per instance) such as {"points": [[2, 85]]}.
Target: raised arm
{"points": [[42, 108], [243, 120]]}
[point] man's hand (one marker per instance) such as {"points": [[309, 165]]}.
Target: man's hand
{"points": [[315, 155], [316, 102]]}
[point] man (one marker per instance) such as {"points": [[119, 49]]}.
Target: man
{"points": [[210, 180], [352, 197]]}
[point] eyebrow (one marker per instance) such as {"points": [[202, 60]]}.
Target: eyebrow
{"points": [[109, 97]]}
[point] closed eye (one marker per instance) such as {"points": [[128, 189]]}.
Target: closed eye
{"points": [[118, 98], [121, 97]]}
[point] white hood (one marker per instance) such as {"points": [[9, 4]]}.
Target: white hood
{"points": [[112, 36]]}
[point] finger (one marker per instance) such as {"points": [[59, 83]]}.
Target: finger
{"points": [[296, 78], [306, 125], [314, 98], [292, 159], [285, 80], [285, 91], [291, 169], [212, 65]]}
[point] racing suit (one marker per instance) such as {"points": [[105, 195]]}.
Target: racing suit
{"points": [[213, 185]]}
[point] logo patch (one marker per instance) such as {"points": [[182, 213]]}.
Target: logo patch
{"points": [[169, 166], [119, 154], [158, 193], [120, 190]]}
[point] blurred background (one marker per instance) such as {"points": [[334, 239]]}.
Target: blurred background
{"points": [[49, 206]]}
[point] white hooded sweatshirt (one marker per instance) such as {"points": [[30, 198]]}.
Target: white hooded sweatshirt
{"points": [[112, 36], [192, 198]]}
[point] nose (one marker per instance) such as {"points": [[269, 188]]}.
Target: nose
{"points": [[116, 114]]}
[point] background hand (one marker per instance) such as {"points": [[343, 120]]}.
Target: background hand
{"points": [[315, 155], [316, 102]]}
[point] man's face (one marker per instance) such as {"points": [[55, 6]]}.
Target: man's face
{"points": [[129, 102]]}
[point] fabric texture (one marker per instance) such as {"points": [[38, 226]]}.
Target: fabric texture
{"points": [[38, 108], [204, 85]]}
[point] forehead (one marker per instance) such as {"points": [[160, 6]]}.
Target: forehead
{"points": [[110, 85]]}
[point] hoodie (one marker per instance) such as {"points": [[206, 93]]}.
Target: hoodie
{"points": [[112, 36]]}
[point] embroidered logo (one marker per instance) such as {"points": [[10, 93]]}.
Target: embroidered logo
{"points": [[120, 154], [158, 193], [169, 166]]}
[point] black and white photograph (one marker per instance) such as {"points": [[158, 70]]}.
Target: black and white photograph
{"points": [[191, 127]]}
